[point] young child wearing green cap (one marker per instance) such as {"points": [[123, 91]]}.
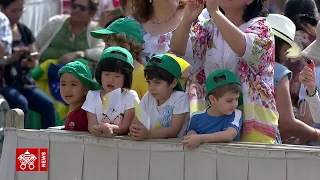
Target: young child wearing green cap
{"points": [[75, 81], [114, 71], [165, 103], [127, 33], [221, 121]]}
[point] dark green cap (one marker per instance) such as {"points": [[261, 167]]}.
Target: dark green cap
{"points": [[118, 53]]}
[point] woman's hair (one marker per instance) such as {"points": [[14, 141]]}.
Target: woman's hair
{"points": [[93, 5], [278, 44], [115, 65], [6, 3], [303, 13], [318, 4], [142, 9], [255, 9], [121, 39]]}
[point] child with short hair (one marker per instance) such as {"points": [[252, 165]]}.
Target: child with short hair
{"points": [[114, 71], [165, 103], [221, 121], [75, 82], [127, 34]]}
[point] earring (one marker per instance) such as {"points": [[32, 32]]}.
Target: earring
{"points": [[150, 1]]}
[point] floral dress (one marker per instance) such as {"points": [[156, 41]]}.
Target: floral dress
{"points": [[255, 71]]}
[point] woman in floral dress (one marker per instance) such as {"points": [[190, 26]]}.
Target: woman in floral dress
{"points": [[158, 18], [242, 42]]}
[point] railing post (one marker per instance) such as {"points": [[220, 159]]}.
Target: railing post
{"points": [[15, 118]]}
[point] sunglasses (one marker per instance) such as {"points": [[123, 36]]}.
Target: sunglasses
{"points": [[79, 6]]}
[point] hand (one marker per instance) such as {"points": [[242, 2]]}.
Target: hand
{"points": [[193, 10], [106, 128], [212, 6], [71, 56], [96, 131], [307, 77], [18, 51], [30, 64], [191, 141], [139, 132], [105, 17]]}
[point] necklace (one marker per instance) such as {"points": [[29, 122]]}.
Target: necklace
{"points": [[157, 23]]}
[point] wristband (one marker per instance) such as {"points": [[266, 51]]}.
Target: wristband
{"points": [[314, 93]]}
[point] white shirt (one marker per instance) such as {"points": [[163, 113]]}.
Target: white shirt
{"points": [[161, 116], [115, 114]]}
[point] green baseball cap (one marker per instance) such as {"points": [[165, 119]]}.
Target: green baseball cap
{"points": [[82, 72], [167, 63], [230, 79], [126, 26], [118, 53]]}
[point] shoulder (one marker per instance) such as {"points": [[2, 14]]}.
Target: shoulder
{"points": [[179, 94], [60, 18], [3, 18], [94, 94], [281, 71], [130, 93], [94, 25], [198, 114]]}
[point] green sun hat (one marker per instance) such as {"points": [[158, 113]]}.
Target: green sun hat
{"points": [[82, 72], [117, 53], [127, 26], [169, 64], [230, 78]]}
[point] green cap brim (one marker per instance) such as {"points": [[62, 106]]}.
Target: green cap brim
{"points": [[99, 33], [90, 84]]}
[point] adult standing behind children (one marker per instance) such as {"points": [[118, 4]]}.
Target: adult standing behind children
{"points": [[5, 42], [221, 121], [165, 103], [240, 41]]}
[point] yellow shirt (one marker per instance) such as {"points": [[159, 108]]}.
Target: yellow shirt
{"points": [[139, 83]]}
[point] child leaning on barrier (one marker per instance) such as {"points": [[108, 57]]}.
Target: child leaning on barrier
{"points": [[114, 74], [221, 121], [75, 82], [165, 103]]}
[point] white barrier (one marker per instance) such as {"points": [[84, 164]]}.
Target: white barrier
{"points": [[80, 156]]}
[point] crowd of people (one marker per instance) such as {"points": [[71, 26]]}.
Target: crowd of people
{"points": [[203, 71]]}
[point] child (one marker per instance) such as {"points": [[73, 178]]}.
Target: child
{"points": [[127, 33], [114, 71], [165, 103], [75, 81], [221, 121], [185, 69]]}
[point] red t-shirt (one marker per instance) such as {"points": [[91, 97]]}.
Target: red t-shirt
{"points": [[77, 120]]}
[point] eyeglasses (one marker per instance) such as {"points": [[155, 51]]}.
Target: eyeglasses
{"points": [[79, 6]]}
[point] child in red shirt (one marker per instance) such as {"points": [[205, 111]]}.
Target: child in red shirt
{"points": [[75, 82]]}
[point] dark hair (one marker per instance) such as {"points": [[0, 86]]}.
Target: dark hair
{"points": [[6, 3], [142, 9], [255, 9], [93, 5], [115, 65], [222, 90], [153, 72], [278, 44], [318, 4], [303, 13]]}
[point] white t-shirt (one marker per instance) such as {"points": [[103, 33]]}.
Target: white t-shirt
{"points": [[160, 116], [112, 115]]}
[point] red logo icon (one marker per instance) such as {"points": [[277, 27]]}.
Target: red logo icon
{"points": [[32, 159]]}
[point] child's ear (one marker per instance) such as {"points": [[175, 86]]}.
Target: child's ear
{"points": [[174, 83], [212, 99]]}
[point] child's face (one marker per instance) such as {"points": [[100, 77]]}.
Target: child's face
{"points": [[111, 80], [72, 90], [225, 104], [160, 89], [109, 43]]}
